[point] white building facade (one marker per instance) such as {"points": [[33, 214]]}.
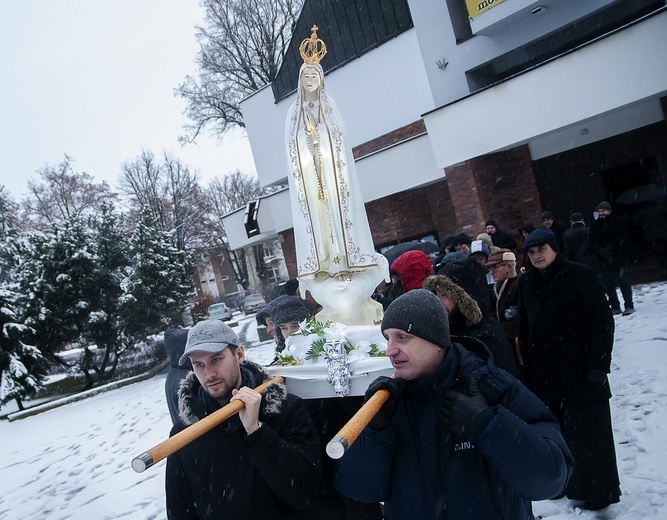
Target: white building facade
{"points": [[456, 119]]}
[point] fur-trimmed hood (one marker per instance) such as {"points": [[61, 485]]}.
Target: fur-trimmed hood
{"points": [[194, 403], [467, 306]]}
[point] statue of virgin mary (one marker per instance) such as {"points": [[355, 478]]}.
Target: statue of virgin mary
{"points": [[331, 231]]}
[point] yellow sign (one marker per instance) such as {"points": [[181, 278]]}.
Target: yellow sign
{"points": [[476, 7]]}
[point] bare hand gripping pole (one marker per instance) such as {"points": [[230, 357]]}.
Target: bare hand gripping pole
{"points": [[337, 446], [175, 443]]}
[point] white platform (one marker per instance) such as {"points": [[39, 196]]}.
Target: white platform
{"points": [[309, 381]]}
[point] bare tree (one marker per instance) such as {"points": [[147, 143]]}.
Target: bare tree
{"points": [[232, 192], [173, 195], [63, 195], [8, 209], [225, 195], [242, 44]]}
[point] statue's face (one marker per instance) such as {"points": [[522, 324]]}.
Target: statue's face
{"points": [[310, 79]]}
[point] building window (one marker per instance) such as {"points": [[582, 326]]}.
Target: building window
{"points": [[273, 273]]}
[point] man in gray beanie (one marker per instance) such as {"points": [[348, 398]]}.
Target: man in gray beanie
{"points": [[457, 434]]}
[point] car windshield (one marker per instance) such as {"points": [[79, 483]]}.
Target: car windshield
{"points": [[254, 298], [217, 307]]}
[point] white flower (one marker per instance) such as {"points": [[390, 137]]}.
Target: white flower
{"points": [[360, 351], [298, 346], [334, 332]]}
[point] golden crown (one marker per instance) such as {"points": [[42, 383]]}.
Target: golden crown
{"points": [[312, 49]]}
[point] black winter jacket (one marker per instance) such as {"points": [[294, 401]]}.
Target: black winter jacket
{"points": [[273, 473], [608, 241], [576, 247], [566, 330], [514, 454], [503, 239], [174, 344]]}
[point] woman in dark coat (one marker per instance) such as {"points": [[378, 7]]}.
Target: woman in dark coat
{"points": [[567, 336]]}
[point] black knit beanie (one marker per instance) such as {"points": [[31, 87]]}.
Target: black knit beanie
{"points": [[420, 313], [292, 309], [268, 309]]}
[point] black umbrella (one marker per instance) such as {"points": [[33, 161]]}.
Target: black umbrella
{"points": [[641, 194], [394, 252]]}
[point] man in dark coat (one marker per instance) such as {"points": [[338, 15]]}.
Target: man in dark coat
{"points": [[458, 438], [263, 462], [608, 244], [174, 344], [500, 238], [557, 228], [567, 336], [575, 241]]}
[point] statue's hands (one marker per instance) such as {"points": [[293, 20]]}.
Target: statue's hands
{"points": [[250, 414]]}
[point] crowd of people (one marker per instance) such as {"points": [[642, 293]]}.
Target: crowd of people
{"points": [[500, 394]]}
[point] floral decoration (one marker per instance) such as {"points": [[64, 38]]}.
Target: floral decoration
{"points": [[307, 345]]}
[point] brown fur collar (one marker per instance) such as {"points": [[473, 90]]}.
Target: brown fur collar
{"points": [[191, 408], [467, 306]]}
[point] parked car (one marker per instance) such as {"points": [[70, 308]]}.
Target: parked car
{"points": [[219, 311], [253, 303]]}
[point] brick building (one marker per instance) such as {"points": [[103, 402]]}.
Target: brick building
{"points": [[458, 114]]}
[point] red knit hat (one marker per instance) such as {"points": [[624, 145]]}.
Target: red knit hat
{"points": [[413, 267]]}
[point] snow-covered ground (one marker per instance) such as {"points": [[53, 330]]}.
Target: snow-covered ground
{"points": [[73, 462]]}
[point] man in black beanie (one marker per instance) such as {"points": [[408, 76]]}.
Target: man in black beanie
{"points": [[575, 240], [608, 243], [288, 313], [566, 333], [457, 437]]}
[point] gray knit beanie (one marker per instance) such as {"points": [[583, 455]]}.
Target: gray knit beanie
{"points": [[420, 313]]}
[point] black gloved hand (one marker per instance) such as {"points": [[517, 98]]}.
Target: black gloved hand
{"points": [[383, 418], [596, 376], [459, 412]]}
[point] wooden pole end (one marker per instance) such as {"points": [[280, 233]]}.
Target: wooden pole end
{"points": [[337, 447], [142, 462]]}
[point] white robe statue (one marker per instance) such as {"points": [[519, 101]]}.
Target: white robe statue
{"points": [[336, 260]]}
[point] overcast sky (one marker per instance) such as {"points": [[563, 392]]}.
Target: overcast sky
{"points": [[95, 79]]}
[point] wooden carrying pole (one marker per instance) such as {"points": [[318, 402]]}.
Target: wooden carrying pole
{"points": [[337, 446], [175, 443]]}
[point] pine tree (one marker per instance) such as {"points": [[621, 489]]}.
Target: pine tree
{"points": [[55, 284], [104, 326], [156, 283], [22, 367]]}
